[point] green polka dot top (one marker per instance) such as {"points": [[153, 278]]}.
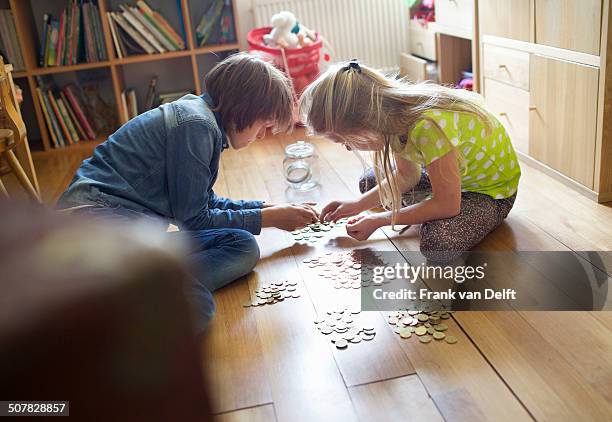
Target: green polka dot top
{"points": [[490, 163]]}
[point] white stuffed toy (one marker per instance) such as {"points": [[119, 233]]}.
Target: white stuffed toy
{"points": [[287, 32]]}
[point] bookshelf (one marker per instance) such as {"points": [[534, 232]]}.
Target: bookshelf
{"points": [[185, 69]]}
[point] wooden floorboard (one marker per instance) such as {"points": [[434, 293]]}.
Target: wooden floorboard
{"points": [[263, 413], [400, 399]]}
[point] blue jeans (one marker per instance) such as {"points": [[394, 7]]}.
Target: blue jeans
{"points": [[216, 257]]}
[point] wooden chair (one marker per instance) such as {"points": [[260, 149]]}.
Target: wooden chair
{"points": [[13, 135]]}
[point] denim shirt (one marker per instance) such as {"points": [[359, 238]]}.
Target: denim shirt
{"points": [[164, 163]]}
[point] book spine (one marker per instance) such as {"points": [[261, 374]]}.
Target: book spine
{"points": [[61, 40], [74, 21], [119, 18], [113, 28], [147, 14], [76, 47], [179, 7], [126, 112], [79, 112], [50, 124], [47, 43], [53, 43], [64, 135], [79, 129], [87, 33], [97, 20], [127, 14], [67, 120], [160, 19], [60, 119], [43, 40], [151, 28]]}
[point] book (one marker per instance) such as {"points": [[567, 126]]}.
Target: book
{"points": [[162, 24], [125, 112], [179, 7], [149, 102], [97, 18], [61, 46], [148, 15], [50, 123], [80, 131], [152, 29], [52, 56], [118, 46], [78, 110], [135, 23], [123, 23], [43, 40], [67, 120], [59, 117], [8, 33]]}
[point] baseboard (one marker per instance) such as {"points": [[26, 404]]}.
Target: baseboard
{"points": [[532, 162]]}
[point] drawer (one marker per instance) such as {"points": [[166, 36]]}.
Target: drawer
{"points": [[416, 69], [422, 41], [457, 14], [511, 106], [506, 65]]}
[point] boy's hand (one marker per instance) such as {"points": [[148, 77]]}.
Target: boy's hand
{"points": [[361, 228], [336, 210], [288, 217]]}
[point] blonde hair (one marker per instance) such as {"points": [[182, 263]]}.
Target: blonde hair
{"points": [[353, 99]]}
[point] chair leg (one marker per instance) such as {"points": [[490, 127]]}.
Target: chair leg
{"points": [[3, 190], [21, 175]]}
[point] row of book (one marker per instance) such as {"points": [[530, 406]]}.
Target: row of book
{"points": [[75, 36], [65, 115], [9, 45], [141, 30]]}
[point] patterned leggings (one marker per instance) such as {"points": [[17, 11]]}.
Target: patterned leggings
{"points": [[445, 240]]}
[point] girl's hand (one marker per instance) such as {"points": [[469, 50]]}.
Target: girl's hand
{"points": [[336, 210], [361, 228]]}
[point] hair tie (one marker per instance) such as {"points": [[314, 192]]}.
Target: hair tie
{"points": [[353, 64]]}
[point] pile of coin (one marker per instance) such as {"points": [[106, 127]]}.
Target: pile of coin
{"points": [[315, 231], [426, 325], [342, 268], [342, 327], [273, 292]]}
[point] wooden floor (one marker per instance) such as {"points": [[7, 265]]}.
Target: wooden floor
{"points": [[270, 363]]}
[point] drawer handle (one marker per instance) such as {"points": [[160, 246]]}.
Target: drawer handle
{"points": [[503, 113], [532, 108], [503, 66]]}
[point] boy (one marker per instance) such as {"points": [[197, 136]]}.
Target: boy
{"points": [[162, 165]]}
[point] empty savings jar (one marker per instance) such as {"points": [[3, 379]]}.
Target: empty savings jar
{"points": [[301, 166]]}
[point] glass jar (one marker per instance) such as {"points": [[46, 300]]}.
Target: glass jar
{"points": [[301, 166]]}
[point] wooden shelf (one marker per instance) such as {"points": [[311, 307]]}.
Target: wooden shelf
{"points": [[216, 48], [79, 146], [25, 21], [69, 68]]}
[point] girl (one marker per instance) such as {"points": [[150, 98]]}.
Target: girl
{"points": [[162, 166], [440, 145]]}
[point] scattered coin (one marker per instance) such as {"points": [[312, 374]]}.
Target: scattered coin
{"points": [[425, 339], [405, 333], [451, 339], [342, 344], [273, 292], [341, 326], [439, 335], [426, 325]]}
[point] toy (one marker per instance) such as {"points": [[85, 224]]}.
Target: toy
{"points": [[287, 32]]}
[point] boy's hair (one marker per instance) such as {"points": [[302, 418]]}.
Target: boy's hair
{"points": [[245, 89], [353, 99]]}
